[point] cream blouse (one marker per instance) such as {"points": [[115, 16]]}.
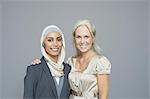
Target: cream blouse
{"points": [[84, 84]]}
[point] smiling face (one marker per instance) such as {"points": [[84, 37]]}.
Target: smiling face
{"points": [[53, 44], [83, 39]]}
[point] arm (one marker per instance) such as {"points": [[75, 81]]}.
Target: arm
{"points": [[29, 84], [103, 85]]}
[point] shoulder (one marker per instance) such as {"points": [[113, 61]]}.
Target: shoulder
{"points": [[102, 65], [67, 67], [70, 60], [35, 68], [103, 60]]}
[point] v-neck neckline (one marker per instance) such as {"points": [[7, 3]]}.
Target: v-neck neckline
{"points": [[88, 65]]}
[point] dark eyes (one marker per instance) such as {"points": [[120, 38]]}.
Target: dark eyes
{"points": [[59, 39], [51, 39]]}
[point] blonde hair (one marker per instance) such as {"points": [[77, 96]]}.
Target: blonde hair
{"points": [[86, 23], [92, 30]]}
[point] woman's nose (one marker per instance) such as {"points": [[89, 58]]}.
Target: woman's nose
{"points": [[55, 43], [82, 40]]}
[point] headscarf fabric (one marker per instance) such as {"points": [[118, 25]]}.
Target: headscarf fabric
{"points": [[56, 68]]}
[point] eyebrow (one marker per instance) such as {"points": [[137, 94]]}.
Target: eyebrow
{"points": [[52, 37], [84, 34]]}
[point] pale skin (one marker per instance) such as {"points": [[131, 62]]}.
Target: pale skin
{"points": [[103, 83], [83, 42]]}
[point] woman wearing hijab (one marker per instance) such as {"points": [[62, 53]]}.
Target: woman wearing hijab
{"points": [[49, 80], [90, 70]]}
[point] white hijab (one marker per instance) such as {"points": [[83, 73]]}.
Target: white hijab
{"points": [[56, 68]]}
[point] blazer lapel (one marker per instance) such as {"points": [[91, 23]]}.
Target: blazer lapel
{"points": [[65, 83], [49, 76]]}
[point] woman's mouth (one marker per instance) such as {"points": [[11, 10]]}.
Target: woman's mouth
{"points": [[55, 49]]}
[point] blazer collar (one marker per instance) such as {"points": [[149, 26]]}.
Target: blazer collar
{"points": [[49, 76]]}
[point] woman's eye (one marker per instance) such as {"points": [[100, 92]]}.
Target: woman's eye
{"points": [[49, 40], [77, 36], [86, 36], [59, 39]]}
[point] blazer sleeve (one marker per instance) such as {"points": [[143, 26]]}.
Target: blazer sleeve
{"points": [[29, 83]]}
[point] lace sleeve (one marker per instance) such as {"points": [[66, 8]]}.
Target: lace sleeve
{"points": [[103, 66]]}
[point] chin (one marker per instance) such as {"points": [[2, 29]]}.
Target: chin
{"points": [[55, 53], [83, 51]]}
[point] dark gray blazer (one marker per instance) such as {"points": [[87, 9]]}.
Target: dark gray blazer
{"points": [[39, 83]]}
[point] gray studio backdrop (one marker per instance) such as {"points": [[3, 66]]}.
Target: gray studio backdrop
{"points": [[0, 50], [149, 43], [122, 33]]}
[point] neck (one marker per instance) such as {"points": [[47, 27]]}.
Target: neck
{"points": [[87, 54]]}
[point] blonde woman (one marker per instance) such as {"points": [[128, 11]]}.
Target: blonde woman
{"points": [[89, 76]]}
